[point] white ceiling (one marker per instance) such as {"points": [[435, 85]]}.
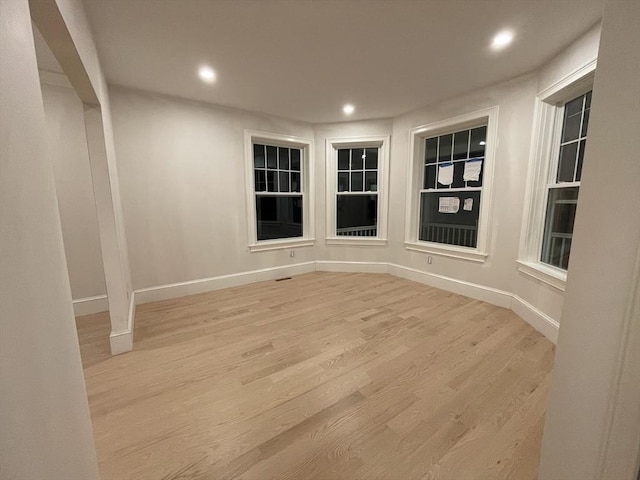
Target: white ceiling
{"points": [[303, 59]]}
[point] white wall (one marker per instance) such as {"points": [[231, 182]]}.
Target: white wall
{"points": [[515, 100], [343, 253], [181, 167], [45, 428], [67, 145], [605, 258]]}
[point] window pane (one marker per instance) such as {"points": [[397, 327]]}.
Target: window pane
{"points": [[371, 160], [460, 145], [580, 160], [356, 182], [295, 182], [278, 217], [458, 175], [283, 157], [431, 150], [567, 162], [357, 161], [572, 117], [343, 182], [258, 156], [478, 141], [295, 159], [585, 118], [445, 148], [430, 176], [558, 231], [357, 215], [450, 228], [343, 159], [261, 182], [371, 181], [272, 181], [272, 157], [284, 181]]}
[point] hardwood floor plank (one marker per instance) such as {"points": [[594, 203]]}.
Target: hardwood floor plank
{"points": [[325, 376]]}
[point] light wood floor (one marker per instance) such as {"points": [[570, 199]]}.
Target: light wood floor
{"points": [[324, 376]]}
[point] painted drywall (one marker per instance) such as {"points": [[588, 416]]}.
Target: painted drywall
{"points": [[345, 130], [604, 259], [182, 180], [515, 100], [67, 145], [104, 168], [45, 427]]}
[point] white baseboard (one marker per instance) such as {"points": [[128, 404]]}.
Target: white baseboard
{"points": [[468, 289], [175, 290], [352, 267], [539, 320], [89, 305], [122, 341]]}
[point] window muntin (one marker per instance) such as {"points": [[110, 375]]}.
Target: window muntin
{"points": [[451, 191], [357, 192], [278, 191], [563, 188]]}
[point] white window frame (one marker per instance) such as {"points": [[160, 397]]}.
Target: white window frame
{"points": [[381, 142], [548, 120], [306, 189], [417, 137]]}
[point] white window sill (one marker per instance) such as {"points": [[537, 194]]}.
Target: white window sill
{"points": [[462, 253], [357, 241], [266, 245], [551, 276]]}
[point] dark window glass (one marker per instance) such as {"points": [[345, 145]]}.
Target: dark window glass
{"points": [[295, 182], [460, 145], [343, 181], [460, 228], [278, 217], [458, 175], [568, 154], [580, 160], [357, 215], [371, 159], [558, 233], [445, 148], [430, 176], [585, 118], [272, 181], [371, 181], [343, 159], [258, 156], [431, 150], [284, 181], [283, 157], [356, 182], [272, 157], [357, 162], [295, 159], [261, 181], [572, 117], [478, 141]]}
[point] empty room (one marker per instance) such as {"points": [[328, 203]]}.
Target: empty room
{"points": [[320, 239]]}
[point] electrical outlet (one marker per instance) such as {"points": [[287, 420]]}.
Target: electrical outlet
{"points": [[429, 260], [292, 253]]}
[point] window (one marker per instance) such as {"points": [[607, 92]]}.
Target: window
{"points": [[278, 173], [448, 185], [558, 148], [356, 190], [562, 191]]}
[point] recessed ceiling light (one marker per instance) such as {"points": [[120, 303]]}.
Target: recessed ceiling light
{"points": [[348, 109], [502, 39], [483, 143], [207, 74]]}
